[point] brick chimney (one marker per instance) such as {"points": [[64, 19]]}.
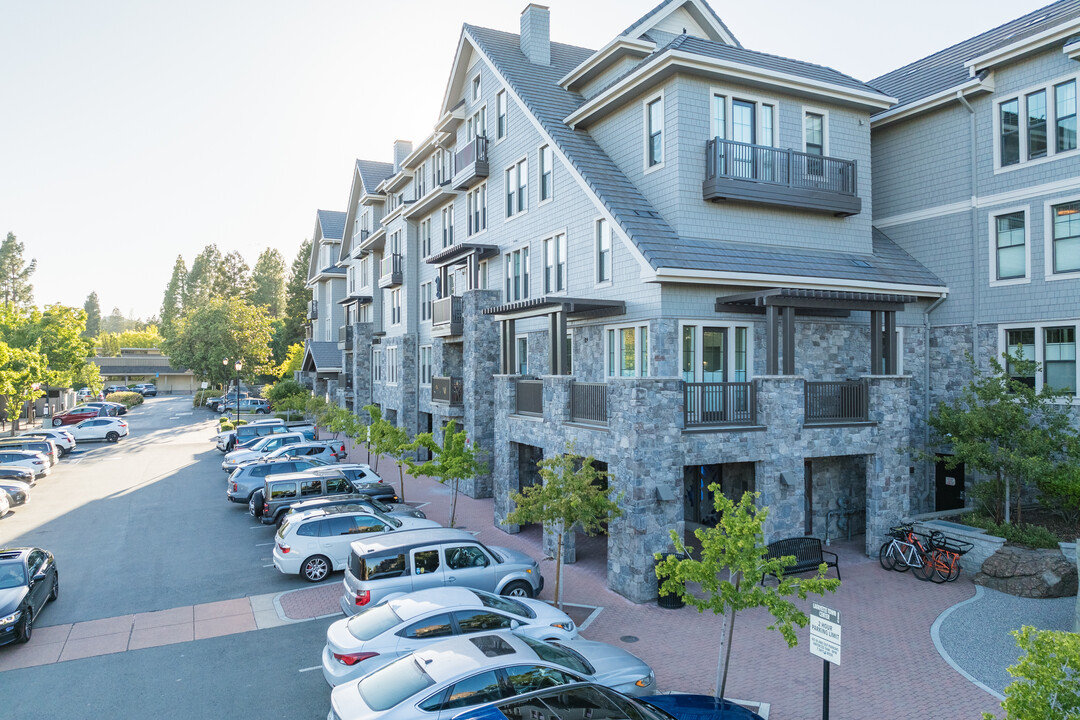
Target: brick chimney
{"points": [[536, 34], [402, 149]]}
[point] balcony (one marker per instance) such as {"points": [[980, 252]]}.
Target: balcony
{"points": [[530, 398], [775, 176], [447, 390], [718, 404], [588, 403], [471, 163], [446, 317], [828, 403], [391, 271], [313, 310], [345, 337]]}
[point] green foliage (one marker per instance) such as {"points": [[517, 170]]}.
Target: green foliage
{"points": [[201, 396], [284, 388], [200, 280], [572, 494], [735, 548], [385, 438], [1047, 681], [93, 316], [172, 305], [16, 292], [1032, 536], [234, 280], [268, 282], [108, 344], [293, 407], [294, 360], [20, 370], [455, 459], [225, 425], [297, 295], [221, 328], [128, 399], [117, 322]]}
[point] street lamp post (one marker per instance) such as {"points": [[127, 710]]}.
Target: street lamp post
{"points": [[238, 365]]}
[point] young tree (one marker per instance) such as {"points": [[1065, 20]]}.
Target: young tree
{"points": [[268, 282], [388, 439], [15, 287], [736, 548], [22, 370], [571, 495], [221, 328], [93, 316], [115, 322], [294, 360], [172, 305], [1047, 681], [452, 461], [108, 344], [297, 295]]}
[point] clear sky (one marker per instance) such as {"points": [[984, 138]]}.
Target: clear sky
{"points": [[135, 130]]}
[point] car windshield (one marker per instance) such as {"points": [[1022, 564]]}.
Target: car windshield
{"points": [[379, 505], [560, 655], [393, 684], [12, 574], [508, 605], [389, 520], [316, 460], [261, 443], [248, 443], [373, 621]]}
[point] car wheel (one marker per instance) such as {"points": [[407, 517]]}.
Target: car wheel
{"points": [[518, 588], [255, 503], [57, 422], [315, 568], [55, 593], [28, 627], [281, 519], [112, 436]]}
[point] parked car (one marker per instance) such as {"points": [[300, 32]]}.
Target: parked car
{"points": [[116, 388], [5, 503], [447, 677], [83, 393], [28, 580], [409, 622], [271, 503], [28, 459], [699, 707], [146, 389], [326, 450], [76, 415], [45, 446], [232, 439], [113, 408], [18, 492], [65, 441], [214, 403], [104, 428], [314, 543], [258, 406], [14, 472], [410, 561], [257, 450], [250, 477], [391, 508]]}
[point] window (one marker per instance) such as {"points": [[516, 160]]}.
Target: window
{"points": [[391, 365], [603, 251], [1052, 345], [434, 626], [517, 186], [444, 166], [1065, 115], [365, 271], [1066, 250], [523, 354], [500, 112], [476, 126], [471, 621], [628, 351], [447, 216], [365, 314], [420, 181], [426, 561], [1011, 246], [719, 116], [475, 88], [395, 306], [474, 690], [483, 280], [425, 237], [1036, 124], [466, 556], [310, 487], [476, 204], [555, 264], [1059, 359], [654, 132], [425, 364], [569, 353], [547, 188], [517, 274], [426, 297], [377, 365], [814, 141], [1020, 342], [714, 353], [528, 678], [1010, 132]]}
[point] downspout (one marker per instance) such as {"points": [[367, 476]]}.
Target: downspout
{"points": [[975, 252]]}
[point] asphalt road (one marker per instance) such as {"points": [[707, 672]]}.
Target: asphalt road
{"points": [[144, 525]]}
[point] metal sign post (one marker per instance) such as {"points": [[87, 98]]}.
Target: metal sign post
{"points": [[825, 643]]}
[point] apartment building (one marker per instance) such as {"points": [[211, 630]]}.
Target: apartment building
{"points": [[321, 368], [977, 176]]}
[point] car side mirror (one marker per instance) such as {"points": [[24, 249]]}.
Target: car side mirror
{"points": [[514, 624], [40, 575]]}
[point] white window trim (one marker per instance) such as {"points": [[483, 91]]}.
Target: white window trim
{"points": [[377, 366], [758, 100], [1039, 349], [528, 187], [517, 354], [487, 209], [645, 132], [506, 100], [596, 254], [824, 127], [729, 357], [453, 223], [992, 225], [420, 364], [1048, 236], [391, 365], [396, 292], [476, 88], [637, 348], [484, 272], [566, 260], [481, 108], [527, 268], [1051, 124], [539, 176]]}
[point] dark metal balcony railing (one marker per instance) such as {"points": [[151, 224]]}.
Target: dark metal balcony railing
{"points": [[719, 403], [313, 310], [474, 151], [447, 390], [446, 310], [588, 403], [790, 168], [837, 402], [530, 397], [391, 264], [345, 334]]}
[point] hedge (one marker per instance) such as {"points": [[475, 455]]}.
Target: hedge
{"points": [[201, 397], [127, 399]]}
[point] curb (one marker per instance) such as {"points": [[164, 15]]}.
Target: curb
{"points": [[935, 635]]}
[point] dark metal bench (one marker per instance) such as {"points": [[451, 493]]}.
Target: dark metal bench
{"points": [[808, 554]]}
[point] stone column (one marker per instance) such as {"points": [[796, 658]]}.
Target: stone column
{"points": [[506, 476], [888, 471], [556, 414], [362, 335], [779, 475], [480, 363]]}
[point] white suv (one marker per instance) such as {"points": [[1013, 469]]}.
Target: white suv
{"points": [[65, 441], [316, 542]]}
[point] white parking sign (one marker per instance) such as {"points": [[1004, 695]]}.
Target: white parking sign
{"points": [[825, 633]]}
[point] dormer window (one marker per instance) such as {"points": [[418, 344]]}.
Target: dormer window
{"points": [[475, 91]]}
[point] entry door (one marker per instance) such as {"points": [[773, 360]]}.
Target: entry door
{"points": [[949, 493], [713, 370]]}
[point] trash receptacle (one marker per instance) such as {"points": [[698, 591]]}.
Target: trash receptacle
{"points": [[670, 602]]}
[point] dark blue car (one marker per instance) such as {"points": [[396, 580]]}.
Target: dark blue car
{"points": [[596, 702]]}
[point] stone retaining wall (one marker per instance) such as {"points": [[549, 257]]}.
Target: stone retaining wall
{"points": [[984, 545]]}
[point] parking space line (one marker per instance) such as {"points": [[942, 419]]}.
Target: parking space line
{"points": [[263, 544], [270, 565], [313, 667]]}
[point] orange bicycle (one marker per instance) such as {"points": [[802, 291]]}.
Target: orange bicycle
{"points": [[942, 562]]}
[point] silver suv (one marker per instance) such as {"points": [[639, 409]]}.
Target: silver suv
{"points": [[411, 560]]}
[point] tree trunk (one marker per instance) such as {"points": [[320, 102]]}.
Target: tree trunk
{"points": [[1006, 495], [558, 567], [401, 478], [726, 647], [1019, 498], [453, 501]]}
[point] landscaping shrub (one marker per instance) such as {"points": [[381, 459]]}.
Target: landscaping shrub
{"points": [[1032, 536], [283, 389], [201, 396], [127, 399], [1045, 685], [226, 425]]}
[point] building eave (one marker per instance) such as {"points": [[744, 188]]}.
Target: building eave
{"points": [[1022, 47], [974, 86], [680, 275], [603, 58]]}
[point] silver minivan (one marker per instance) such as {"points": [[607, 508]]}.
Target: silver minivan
{"points": [[405, 561]]}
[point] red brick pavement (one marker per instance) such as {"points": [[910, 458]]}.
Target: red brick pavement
{"points": [[311, 602], [890, 668]]}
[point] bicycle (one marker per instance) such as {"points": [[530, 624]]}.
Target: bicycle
{"points": [[944, 558], [905, 549]]}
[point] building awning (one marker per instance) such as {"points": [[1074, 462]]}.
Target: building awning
{"points": [[459, 251], [358, 299], [804, 299], [322, 357], [577, 308]]}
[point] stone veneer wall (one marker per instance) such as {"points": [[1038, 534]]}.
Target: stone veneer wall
{"points": [[479, 363]]}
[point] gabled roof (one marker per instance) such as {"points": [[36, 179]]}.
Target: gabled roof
{"points": [[372, 173], [332, 223], [946, 68], [321, 357], [367, 174], [666, 7]]}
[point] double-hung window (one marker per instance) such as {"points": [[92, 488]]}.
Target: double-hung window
{"points": [[426, 296], [555, 264], [425, 237], [475, 86], [1065, 115], [628, 351], [500, 114], [365, 271], [395, 306], [425, 364], [1053, 346], [1010, 250], [1066, 237], [1036, 124], [377, 365], [547, 187], [391, 365], [654, 132], [517, 188], [718, 116], [1020, 342], [1010, 132], [476, 126], [1059, 358], [517, 274], [476, 204], [447, 217], [603, 252]]}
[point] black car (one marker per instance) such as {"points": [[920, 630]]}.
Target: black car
{"points": [[28, 580]]}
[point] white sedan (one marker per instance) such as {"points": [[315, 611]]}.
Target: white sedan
{"points": [[110, 429], [65, 442]]}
